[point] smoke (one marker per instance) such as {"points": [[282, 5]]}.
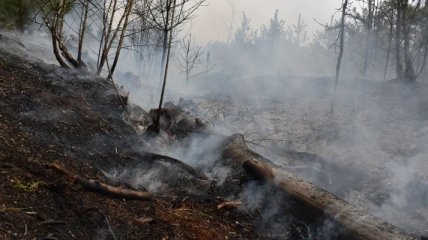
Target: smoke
{"points": [[267, 201], [371, 152]]}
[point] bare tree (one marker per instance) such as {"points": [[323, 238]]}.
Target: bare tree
{"points": [[126, 14], [157, 121], [115, 19], [160, 14], [189, 57]]}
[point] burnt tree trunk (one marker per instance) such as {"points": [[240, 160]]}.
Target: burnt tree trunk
{"points": [[339, 58], [156, 124], [409, 71], [388, 51], [369, 37], [398, 39], [82, 31], [127, 13]]}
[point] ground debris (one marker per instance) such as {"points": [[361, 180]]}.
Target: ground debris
{"points": [[49, 114]]}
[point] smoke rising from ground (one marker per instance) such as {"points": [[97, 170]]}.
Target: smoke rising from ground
{"points": [[277, 92]]}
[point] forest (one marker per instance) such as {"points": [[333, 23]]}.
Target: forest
{"points": [[118, 122]]}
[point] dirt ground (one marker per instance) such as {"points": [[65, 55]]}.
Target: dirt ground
{"points": [[78, 121], [373, 158]]}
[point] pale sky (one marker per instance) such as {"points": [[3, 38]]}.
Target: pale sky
{"points": [[213, 21]]}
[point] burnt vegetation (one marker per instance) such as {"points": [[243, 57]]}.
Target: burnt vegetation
{"points": [[275, 149]]}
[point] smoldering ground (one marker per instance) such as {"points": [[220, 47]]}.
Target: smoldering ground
{"points": [[371, 152]]}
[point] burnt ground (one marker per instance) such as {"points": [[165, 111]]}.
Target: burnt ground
{"points": [[48, 114]]}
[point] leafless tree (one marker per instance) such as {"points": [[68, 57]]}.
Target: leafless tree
{"points": [[126, 14], [115, 19], [160, 16], [157, 121], [189, 56]]}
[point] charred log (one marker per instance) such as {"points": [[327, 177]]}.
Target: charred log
{"points": [[353, 223]]}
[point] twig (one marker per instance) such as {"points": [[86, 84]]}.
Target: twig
{"points": [[84, 99], [229, 205], [110, 229]]}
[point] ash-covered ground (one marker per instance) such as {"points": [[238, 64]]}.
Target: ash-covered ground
{"points": [[371, 151]]}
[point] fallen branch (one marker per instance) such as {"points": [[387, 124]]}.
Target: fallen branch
{"points": [[95, 186], [229, 205], [162, 158], [354, 223]]}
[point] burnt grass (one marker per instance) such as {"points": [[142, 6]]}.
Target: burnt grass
{"points": [[49, 114]]}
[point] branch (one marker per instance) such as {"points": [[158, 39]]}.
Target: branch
{"points": [[95, 186]]}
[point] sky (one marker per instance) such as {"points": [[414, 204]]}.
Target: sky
{"points": [[213, 22]]}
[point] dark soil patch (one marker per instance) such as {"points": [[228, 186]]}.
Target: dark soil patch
{"points": [[48, 114]]}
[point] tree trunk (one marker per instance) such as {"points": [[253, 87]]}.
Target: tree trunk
{"points": [[424, 61], [398, 29], [56, 51], [339, 58], [369, 32], [156, 124], [165, 31], [164, 52], [85, 11], [409, 71], [107, 33], [388, 51], [127, 12]]}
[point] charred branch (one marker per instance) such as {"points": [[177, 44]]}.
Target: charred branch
{"points": [[95, 186]]}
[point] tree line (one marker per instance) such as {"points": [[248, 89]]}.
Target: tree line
{"points": [[104, 28], [380, 39]]}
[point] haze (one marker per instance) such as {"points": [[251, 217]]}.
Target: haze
{"points": [[219, 15]]}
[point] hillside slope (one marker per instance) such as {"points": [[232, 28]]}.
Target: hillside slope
{"points": [[48, 114]]}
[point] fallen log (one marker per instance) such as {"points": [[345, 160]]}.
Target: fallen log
{"points": [[354, 223], [95, 186]]}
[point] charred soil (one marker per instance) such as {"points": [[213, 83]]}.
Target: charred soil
{"points": [[48, 114]]}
